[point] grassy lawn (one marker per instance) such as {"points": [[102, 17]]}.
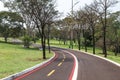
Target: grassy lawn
{"points": [[14, 58], [98, 51]]}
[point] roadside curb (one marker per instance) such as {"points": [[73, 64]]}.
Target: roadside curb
{"points": [[115, 63], [11, 77]]}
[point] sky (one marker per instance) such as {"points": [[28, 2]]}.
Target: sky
{"points": [[64, 6], [2, 8]]}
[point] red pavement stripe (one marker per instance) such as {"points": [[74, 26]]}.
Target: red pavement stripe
{"points": [[74, 73], [73, 69], [28, 73]]}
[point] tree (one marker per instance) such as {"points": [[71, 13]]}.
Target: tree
{"points": [[41, 13], [102, 7], [10, 20], [16, 32], [78, 17], [92, 19], [49, 25], [114, 28], [85, 29], [37, 12], [69, 22], [26, 39]]}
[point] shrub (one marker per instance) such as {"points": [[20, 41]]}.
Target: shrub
{"points": [[26, 40]]}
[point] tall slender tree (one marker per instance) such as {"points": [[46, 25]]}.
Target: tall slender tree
{"points": [[102, 8], [78, 17], [41, 12], [92, 19]]}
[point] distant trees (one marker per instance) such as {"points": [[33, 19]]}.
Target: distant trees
{"points": [[94, 14], [11, 24], [102, 7], [38, 13], [93, 25], [114, 32]]}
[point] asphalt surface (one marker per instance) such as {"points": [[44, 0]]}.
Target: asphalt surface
{"points": [[89, 68], [59, 69], [93, 68]]}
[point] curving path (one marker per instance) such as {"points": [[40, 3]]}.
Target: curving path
{"points": [[60, 68], [93, 68], [74, 65]]}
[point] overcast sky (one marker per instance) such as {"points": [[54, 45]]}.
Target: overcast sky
{"points": [[64, 6]]}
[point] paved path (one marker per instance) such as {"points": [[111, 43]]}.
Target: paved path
{"points": [[59, 69], [63, 67], [92, 68]]}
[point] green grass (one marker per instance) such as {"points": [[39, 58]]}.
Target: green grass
{"points": [[59, 44], [98, 51], [15, 58]]}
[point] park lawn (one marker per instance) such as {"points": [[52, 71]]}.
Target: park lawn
{"points": [[15, 58], [111, 55], [60, 44]]}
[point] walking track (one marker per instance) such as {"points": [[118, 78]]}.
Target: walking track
{"points": [[73, 65]]}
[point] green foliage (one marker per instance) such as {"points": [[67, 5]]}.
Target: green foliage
{"points": [[34, 39], [26, 39], [16, 32], [10, 24], [4, 31]]}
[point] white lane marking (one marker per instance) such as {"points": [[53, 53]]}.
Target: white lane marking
{"points": [[75, 74]]}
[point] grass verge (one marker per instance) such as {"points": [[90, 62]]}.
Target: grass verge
{"points": [[15, 58]]}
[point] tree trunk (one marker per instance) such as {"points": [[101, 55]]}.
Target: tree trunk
{"points": [[43, 44], [49, 44], [71, 39], [85, 40], [48, 39], [5, 38], [93, 35], [116, 50], [79, 40], [79, 44], [85, 44], [116, 46], [64, 41], [104, 43], [104, 32]]}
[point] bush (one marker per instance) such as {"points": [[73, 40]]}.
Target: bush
{"points": [[34, 39], [26, 40]]}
